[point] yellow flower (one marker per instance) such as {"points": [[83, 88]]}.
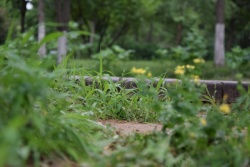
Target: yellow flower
{"points": [[149, 74], [179, 70], [190, 66], [138, 70], [198, 61], [196, 79], [225, 108], [203, 121]]}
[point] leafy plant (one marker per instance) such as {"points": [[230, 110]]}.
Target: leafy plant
{"points": [[238, 57], [194, 46], [112, 56]]}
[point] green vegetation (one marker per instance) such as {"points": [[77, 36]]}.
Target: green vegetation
{"points": [[143, 26], [162, 68], [46, 113]]}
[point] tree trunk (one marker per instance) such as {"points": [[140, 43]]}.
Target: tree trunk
{"points": [[179, 34], [62, 16], [23, 9], [92, 31], [41, 27], [219, 48], [61, 49], [150, 32]]}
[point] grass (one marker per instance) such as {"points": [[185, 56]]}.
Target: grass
{"points": [[163, 68]]}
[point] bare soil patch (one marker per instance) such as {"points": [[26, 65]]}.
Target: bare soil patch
{"points": [[126, 128]]}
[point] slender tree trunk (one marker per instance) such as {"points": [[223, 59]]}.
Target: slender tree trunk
{"points": [[230, 37], [41, 27], [23, 10], [63, 16], [219, 48], [179, 34], [136, 35], [92, 31], [150, 32]]}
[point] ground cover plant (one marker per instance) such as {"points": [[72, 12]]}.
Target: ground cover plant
{"points": [[163, 68], [46, 113]]}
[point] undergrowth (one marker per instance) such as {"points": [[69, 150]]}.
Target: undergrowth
{"points": [[46, 111]]}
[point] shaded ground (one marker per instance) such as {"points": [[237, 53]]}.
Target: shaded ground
{"points": [[125, 127]]}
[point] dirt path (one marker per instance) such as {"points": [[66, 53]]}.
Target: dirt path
{"points": [[125, 127]]}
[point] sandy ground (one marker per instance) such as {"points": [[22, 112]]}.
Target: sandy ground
{"points": [[126, 128]]}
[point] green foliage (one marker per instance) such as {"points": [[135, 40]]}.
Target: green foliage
{"points": [[141, 150], [4, 23], [165, 68], [35, 117], [201, 130], [238, 57], [142, 51], [194, 46], [112, 56], [48, 112]]}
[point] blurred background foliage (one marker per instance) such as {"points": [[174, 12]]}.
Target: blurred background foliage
{"points": [[128, 33], [144, 26]]}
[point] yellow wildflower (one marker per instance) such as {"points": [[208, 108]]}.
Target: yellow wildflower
{"points": [[225, 108], [138, 70], [196, 79], [179, 70], [190, 66], [198, 60], [203, 121], [149, 74]]}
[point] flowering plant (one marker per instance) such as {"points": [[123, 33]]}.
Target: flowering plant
{"points": [[141, 71]]}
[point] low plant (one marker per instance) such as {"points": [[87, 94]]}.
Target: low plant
{"points": [[193, 47], [238, 57]]}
